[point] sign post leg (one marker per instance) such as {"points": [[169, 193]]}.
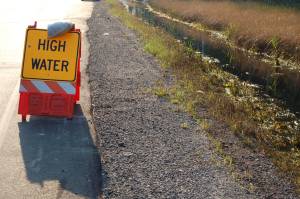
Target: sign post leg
{"points": [[23, 118]]}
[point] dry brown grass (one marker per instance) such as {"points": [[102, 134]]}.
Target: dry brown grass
{"points": [[249, 24]]}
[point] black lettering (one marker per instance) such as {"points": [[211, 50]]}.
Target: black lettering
{"points": [[53, 47], [48, 41], [64, 64], [35, 63], [62, 45], [49, 63], [43, 64], [42, 44], [56, 65]]}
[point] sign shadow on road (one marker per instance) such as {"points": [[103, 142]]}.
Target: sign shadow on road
{"points": [[61, 150]]}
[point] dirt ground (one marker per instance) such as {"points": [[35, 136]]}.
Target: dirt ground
{"points": [[145, 152]]}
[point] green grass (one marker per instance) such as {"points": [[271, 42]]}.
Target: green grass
{"points": [[153, 42], [220, 158], [256, 121], [160, 91], [184, 125]]}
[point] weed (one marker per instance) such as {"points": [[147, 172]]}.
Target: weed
{"points": [[217, 144], [272, 84], [230, 31], [184, 125], [174, 101], [204, 124], [228, 160], [251, 188], [274, 41], [160, 91]]}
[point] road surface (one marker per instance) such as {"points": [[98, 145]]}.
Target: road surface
{"points": [[44, 157]]}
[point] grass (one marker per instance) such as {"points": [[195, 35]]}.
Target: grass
{"points": [[184, 125], [160, 91], [220, 158], [250, 25], [224, 96]]}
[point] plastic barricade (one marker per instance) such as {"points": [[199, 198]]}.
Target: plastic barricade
{"points": [[47, 97]]}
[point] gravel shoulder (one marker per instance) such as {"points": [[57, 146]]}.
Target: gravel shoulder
{"points": [[144, 151]]}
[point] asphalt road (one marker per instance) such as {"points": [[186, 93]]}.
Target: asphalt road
{"points": [[44, 157]]}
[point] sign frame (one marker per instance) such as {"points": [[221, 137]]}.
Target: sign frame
{"points": [[52, 79]]}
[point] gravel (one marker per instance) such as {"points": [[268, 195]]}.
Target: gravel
{"points": [[144, 151]]}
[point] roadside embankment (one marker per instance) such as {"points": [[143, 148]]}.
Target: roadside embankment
{"points": [[252, 118], [260, 122], [152, 148], [145, 152]]}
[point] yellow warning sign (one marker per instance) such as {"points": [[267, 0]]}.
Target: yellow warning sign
{"points": [[50, 59]]}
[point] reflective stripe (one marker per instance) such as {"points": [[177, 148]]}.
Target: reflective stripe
{"points": [[55, 87], [41, 86], [22, 88], [68, 87], [29, 86]]}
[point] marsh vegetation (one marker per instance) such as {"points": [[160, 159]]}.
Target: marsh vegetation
{"points": [[265, 29]]}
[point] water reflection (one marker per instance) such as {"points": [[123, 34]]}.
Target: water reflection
{"points": [[234, 60]]}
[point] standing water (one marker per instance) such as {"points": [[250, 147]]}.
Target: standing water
{"points": [[280, 81]]}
